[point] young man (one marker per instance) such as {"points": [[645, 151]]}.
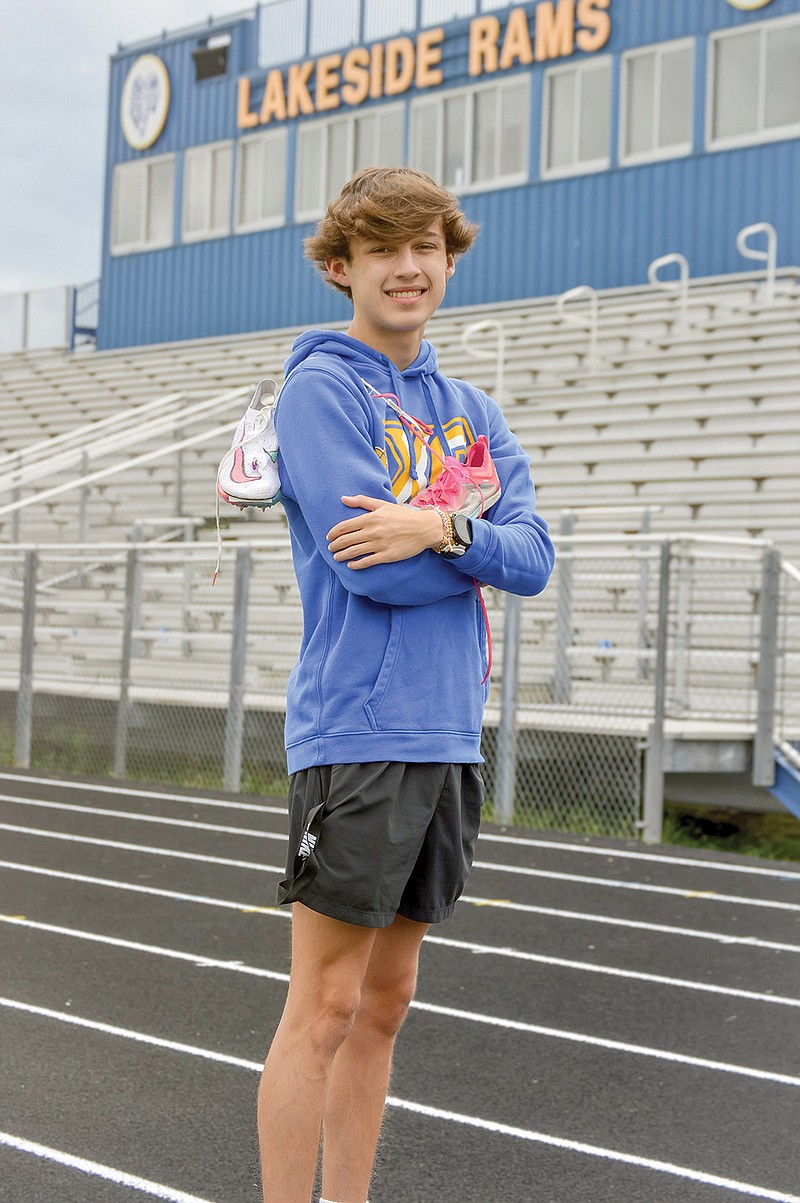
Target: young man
{"points": [[384, 706]]}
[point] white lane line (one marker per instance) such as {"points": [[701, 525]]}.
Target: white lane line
{"points": [[746, 1188], [642, 887], [129, 886], [515, 1025], [124, 790], [120, 1177], [136, 817], [500, 903], [462, 945], [610, 970], [637, 924], [123, 846], [260, 867], [575, 1146], [629, 854], [121, 788]]}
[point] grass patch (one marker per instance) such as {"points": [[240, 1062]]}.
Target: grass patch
{"points": [[772, 836]]}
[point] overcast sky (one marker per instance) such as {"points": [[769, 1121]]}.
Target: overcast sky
{"points": [[53, 97]]}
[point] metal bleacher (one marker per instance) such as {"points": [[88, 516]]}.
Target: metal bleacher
{"points": [[675, 417]]}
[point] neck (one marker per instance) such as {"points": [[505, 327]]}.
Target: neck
{"points": [[400, 346]]}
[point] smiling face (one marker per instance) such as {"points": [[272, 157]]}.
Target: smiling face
{"points": [[395, 288]]}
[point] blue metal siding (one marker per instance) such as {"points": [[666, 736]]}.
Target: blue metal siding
{"points": [[536, 239]]}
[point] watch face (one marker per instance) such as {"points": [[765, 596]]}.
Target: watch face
{"points": [[463, 529]]}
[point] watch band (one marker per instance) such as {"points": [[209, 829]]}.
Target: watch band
{"points": [[448, 544]]}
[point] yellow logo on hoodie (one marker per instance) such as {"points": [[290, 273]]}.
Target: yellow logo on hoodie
{"points": [[399, 453]]}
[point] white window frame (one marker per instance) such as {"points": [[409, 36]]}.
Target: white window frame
{"points": [[436, 104], [678, 149], [589, 165], [323, 125], [264, 223], [141, 244], [762, 135], [208, 231]]}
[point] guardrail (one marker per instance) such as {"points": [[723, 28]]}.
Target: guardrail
{"points": [[126, 664]]}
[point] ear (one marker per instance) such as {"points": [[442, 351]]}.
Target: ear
{"points": [[337, 270], [451, 266]]}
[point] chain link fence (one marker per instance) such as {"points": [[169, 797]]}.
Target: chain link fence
{"points": [[120, 661]]}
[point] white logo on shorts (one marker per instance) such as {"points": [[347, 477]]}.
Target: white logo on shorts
{"points": [[307, 844]]}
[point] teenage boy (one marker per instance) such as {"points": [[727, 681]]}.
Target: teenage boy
{"points": [[384, 706]]}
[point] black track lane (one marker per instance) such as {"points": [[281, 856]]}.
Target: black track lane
{"points": [[189, 1123]]}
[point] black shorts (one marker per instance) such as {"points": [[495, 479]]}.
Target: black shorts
{"points": [[371, 841]]}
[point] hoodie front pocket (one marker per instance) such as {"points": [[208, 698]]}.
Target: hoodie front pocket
{"points": [[387, 670], [430, 679]]}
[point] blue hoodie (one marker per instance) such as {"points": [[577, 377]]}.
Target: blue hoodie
{"points": [[392, 656]]}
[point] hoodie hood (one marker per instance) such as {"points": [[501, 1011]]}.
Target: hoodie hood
{"points": [[362, 358]]}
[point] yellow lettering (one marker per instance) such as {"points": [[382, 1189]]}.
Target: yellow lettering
{"points": [[376, 72], [298, 97], [244, 118], [483, 36], [598, 24], [429, 55], [399, 69], [327, 80], [355, 70], [274, 102], [555, 29], [517, 41]]}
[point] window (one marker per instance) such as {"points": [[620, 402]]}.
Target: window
{"points": [[281, 31], [474, 139], [382, 20], [754, 84], [261, 181], [142, 205], [328, 152], [334, 24], [656, 109], [577, 118], [207, 191]]}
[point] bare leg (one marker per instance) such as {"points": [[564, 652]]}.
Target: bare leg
{"points": [[359, 1077], [329, 960]]}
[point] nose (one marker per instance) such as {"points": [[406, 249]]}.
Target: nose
{"points": [[405, 263]]}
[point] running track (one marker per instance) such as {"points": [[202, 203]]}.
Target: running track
{"points": [[598, 1023]]}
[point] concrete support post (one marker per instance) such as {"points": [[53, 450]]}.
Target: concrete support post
{"points": [[506, 773], [653, 817], [188, 575], [132, 579], [234, 722], [84, 500], [562, 680], [769, 603], [644, 593], [24, 721], [15, 515]]}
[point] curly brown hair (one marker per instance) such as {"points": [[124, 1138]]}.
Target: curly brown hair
{"points": [[386, 203]]}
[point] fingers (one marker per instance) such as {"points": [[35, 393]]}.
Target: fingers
{"points": [[362, 502]]}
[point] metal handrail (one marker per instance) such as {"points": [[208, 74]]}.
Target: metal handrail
{"points": [[769, 256], [159, 453], [680, 286], [583, 291], [483, 327], [84, 437]]}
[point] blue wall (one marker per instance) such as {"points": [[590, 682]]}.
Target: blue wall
{"points": [[536, 239]]}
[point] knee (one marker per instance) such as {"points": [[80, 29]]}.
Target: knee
{"points": [[384, 1008], [332, 1022]]}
